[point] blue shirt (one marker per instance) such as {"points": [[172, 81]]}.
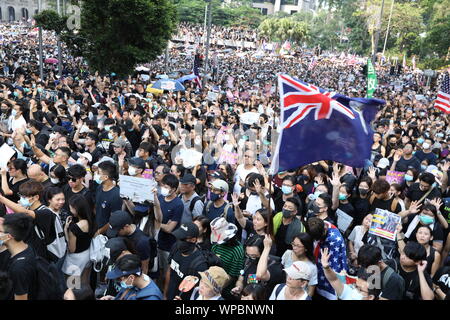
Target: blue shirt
{"points": [[214, 212], [171, 211], [105, 204], [150, 292]]}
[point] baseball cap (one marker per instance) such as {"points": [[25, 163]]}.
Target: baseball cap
{"points": [[383, 163], [186, 230], [137, 162], [299, 270], [117, 273], [220, 184], [119, 143], [86, 155], [103, 159], [217, 175], [117, 221], [188, 179]]}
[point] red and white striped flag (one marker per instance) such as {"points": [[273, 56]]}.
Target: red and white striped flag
{"points": [[443, 99]]}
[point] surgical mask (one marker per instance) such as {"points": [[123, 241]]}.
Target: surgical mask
{"points": [[97, 178], [408, 177], [24, 202], [402, 123], [363, 191], [13, 112], [16, 94], [80, 161], [110, 136], [124, 285], [132, 171], [165, 133], [39, 90], [315, 208], [214, 196], [134, 81], [286, 189], [165, 192], [426, 219], [28, 131], [424, 167], [342, 196], [107, 128], [440, 134], [315, 184], [426, 146], [70, 101], [420, 140], [287, 213], [54, 180]]}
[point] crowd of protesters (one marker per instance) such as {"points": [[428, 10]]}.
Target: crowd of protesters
{"points": [[244, 234]]}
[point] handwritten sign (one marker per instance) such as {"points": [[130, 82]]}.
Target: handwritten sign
{"points": [[395, 177], [384, 224], [343, 220], [228, 157], [136, 189], [249, 117]]}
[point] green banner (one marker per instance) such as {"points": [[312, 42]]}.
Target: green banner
{"points": [[371, 79]]}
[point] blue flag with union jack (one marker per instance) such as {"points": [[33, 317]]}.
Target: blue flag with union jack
{"points": [[320, 125]]}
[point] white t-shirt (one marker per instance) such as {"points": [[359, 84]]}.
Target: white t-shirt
{"points": [[349, 293], [356, 237], [287, 261], [282, 296], [254, 203], [241, 173], [16, 123]]}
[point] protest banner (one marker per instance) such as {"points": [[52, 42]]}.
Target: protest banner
{"points": [[228, 157], [249, 117], [395, 177], [136, 189], [6, 152], [384, 224]]}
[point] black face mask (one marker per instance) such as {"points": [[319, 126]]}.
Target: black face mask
{"points": [[287, 213], [363, 192], [185, 247]]}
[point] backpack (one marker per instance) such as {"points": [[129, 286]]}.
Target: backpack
{"points": [[59, 246], [193, 202], [48, 280], [98, 252], [225, 210], [278, 290], [206, 255]]}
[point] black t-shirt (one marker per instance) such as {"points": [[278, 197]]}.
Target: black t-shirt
{"points": [[141, 243], [15, 189], [280, 240], [412, 284], [181, 266], [45, 221], [395, 286], [348, 209], [4, 260], [442, 279], [276, 275], [22, 272], [361, 209], [385, 205], [68, 194], [403, 164], [414, 193]]}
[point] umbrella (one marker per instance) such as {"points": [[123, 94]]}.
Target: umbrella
{"points": [[154, 91], [51, 60], [168, 84], [162, 76]]}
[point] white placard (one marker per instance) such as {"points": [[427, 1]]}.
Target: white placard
{"points": [[343, 220], [249, 117], [6, 152], [137, 189], [190, 157], [212, 96]]}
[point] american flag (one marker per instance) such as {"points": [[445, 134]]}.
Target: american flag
{"points": [[443, 99], [196, 72], [338, 260]]}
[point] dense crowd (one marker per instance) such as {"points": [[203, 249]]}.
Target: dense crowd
{"points": [[217, 227]]}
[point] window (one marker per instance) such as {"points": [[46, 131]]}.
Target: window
{"points": [[11, 14], [24, 14], [289, 2], [264, 11], [293, 11]]}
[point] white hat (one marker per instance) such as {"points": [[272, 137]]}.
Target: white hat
{"points": [[299, 270], [383, 163], [86, 155], [220, 184], [222, 230], [105, 158]]}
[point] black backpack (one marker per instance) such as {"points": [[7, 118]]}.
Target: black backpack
{"points": [[48, 280], [206, 255]]}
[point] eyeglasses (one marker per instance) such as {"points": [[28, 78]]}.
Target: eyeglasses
{"points": [[72, 179]]}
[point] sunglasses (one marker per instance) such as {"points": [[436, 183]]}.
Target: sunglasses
{"points": [[73, 179]]}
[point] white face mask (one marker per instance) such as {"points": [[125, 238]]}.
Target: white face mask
{"points": [[80, 161], [165, 192], [132, 171], [54, 181], [426, 146]]}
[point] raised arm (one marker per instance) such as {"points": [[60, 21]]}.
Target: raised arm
{"points": [[237, 210], [337, 285]]}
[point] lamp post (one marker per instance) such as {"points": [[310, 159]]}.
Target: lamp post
{"points": [[388, 27], [208, 36], [41, 62], [59, 45], [377, 35]]}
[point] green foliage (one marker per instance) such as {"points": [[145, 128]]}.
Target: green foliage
{"points": [[116, 35], [50, 20], [281, 29]]}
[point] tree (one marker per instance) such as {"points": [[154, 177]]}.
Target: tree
{"points": [[50, 20], [116, 35], [284, 29]]}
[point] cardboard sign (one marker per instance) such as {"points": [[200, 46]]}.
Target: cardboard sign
{"points": [[384, 224], [212, 96], [136, 189], [6, 152], [228, 157], [343, 220], [249, 118], [395, 177]]}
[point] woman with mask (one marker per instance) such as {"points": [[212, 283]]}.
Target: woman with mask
{"points": [[341, 195], [360, 200], [302, 250], [411, 176]]}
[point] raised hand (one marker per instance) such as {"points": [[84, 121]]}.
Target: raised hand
{"points": [[335, 181], [414, 207], [325, 257], [235, 199], [372, 174]]}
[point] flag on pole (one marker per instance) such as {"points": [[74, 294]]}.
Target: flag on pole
{"points": [[443, 98], [196, 72], [371, 79], [320, 125]]}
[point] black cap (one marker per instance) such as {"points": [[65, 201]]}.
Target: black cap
{"points": [[188, 178], [116, 247], [186, 230], [137, 162], [117, 221]]}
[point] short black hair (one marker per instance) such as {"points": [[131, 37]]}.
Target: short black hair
{"points": [[253, 177], [255, 241], [109, 168], [170, 180], [427, 177], [369, 255], [93, 136], [18, 225], [316, 228], [77, 171], [415, 251], [129, 262]]}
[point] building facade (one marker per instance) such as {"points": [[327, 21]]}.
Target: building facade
{"points": [[23, 10], [288, 6]]}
